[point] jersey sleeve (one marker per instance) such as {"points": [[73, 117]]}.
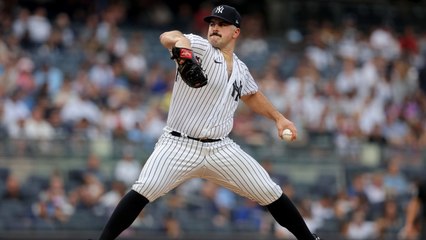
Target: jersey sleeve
{"points": [[199, 45], [250, 86]]}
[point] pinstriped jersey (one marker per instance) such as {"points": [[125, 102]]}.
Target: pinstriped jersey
{"points": [[208, 112]]}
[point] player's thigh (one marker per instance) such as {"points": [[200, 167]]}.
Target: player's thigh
{"points": [[170, 164], [235, 169]]}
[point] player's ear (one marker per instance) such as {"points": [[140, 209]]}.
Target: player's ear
{"points": [[236, 32]]}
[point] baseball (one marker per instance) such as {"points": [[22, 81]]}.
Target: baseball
{"points": [[287, 135]]}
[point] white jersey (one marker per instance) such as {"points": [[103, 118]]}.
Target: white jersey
{"points": [[208, 112]]}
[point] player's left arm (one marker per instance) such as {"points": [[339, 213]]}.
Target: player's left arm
{"points": [[174, 38], [258, 103]]}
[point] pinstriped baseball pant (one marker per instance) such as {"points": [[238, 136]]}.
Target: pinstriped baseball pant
{"points": [[177, 159]]}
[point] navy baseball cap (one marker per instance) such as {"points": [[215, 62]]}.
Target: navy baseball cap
{"points": [[227, 13]]}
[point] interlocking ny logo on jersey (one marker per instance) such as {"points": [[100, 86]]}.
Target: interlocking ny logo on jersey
{"points": [[236, 92], [219, 9]]}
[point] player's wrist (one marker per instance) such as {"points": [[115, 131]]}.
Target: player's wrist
{"points": [[183, 42], [277, 116]]}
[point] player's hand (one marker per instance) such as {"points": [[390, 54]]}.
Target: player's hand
{"points": [[284, 123]]}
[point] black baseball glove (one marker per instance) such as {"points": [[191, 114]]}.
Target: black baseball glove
{"points": [[188, 67]]}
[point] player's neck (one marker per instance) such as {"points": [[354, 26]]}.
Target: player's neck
{"points": [[228, 54]]}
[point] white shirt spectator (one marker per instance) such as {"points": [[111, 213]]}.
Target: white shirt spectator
{"points": [[131, 114], [77, 108], [381, 39], [16, 130], [13, 110], [38, 128], [62, 22], [127, 169], [117, 43], [371, 115], [369, 75], [39, 26], [153, 123], [348, 49], [363, 231], [134, 62], [375, 189], [20, 24], [349, 78], [313, 108], [102, 74], [320, 57]]}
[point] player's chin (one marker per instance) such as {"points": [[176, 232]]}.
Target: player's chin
{"points": [[214, 42]]}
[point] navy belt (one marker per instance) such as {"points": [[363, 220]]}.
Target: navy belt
{"points": [[204, 140]]}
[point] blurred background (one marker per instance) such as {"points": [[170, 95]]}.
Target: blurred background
{"points": [[84, 92]]}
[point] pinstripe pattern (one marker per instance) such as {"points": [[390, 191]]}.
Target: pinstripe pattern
{"points": [[206, 112], [211, 107], [177, 159]]}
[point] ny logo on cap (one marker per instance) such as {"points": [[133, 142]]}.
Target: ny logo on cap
{"points": [[219, 9]]}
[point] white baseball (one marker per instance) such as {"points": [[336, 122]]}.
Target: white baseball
{"points": [[287, 135]]}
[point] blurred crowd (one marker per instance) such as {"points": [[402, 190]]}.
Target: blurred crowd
{"points": [[99, 80]]}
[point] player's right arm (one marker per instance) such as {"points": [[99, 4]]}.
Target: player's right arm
{"points": [[174, 38]]}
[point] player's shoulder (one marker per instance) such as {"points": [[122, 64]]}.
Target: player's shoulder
{"points": [[240, 63], [194, 37]]}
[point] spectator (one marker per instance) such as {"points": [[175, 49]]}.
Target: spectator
{"points": [[375, 192], [21, 27], [395, 182], [371, 72], [383, 40], [371, 113], [318, 54], [78, 108], [90, 192], [117, 45], [25, 78], [39, 27], [253, 44], [101, 74], [60, 128], [322, 209], [348, 79], [127, 168], [13, 189], [403, 80], [390, 220], [132, 111], [395, 130], [62, 25], [135, 64], [15, 108], [37, 127], [359, 228], [53, 206], [50, 75], [408, 42], [153, 123], [64, 93], [110, 199], [94, 167]]}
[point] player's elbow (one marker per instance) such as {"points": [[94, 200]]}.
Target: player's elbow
{"points": [[169, 39]]}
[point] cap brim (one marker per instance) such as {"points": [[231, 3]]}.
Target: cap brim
{"points": [[209, 18]]}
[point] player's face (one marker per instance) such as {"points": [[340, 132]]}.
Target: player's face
{"points": [[220, 33]]}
